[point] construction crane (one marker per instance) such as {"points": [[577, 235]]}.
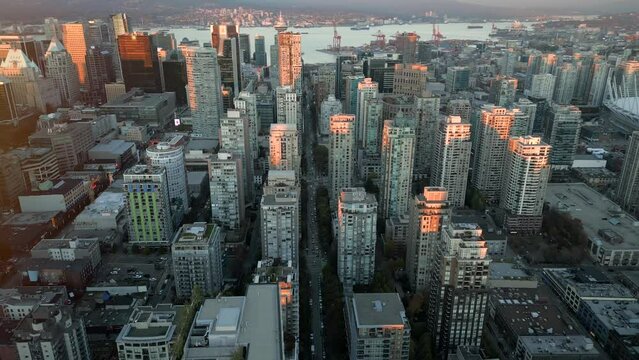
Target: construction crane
{"points": [[437, 35], [380, 39], [337, 38]]}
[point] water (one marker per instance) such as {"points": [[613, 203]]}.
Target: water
{"points": [[322, 37]]}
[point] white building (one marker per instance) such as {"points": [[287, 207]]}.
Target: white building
{"points": [[246, 102], [542, 86], [197, 259], [490, 151], [51, 332], [68, 250], [279, 215], [235, 138], [367, 89], [170, 156], [524, 184], [227, 190], [377, 327], [288, 109], [61, 69], [452, 159], [356, 237], [150, 333], [331, 106], [398, 150], [284, 148], [341, 154], [203, 90], [251, 325]]}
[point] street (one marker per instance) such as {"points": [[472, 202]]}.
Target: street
{"points": [[314, 256]]}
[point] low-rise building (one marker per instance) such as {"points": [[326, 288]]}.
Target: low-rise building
{"points": [[556, 347], [52, 333], [61, 195], [155, 109], [68, 250], [602, 317], [613, 234], [18, 303], [120, 153], [248, 325], [107, 212], [150, 333], [377, 327], [576, 286]]}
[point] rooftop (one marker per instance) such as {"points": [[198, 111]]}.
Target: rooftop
{"points": [[622, 316], [588, 283], [108, 203], [151, 324], [195, 233], [59, 187], [138, 98], [489, 229], [504, 271], [224, 323], [377, 310], [559, 345], [356, 195], [117, 147], [46, 244], [603, 220]]}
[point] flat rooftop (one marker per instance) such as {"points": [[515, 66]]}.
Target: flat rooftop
{"points": [[195, 233], [137, 98], [108, 203], [559, 345], [598, 214], [619, 315], [116, 147], [489, 229], [378, 310], [80, 244], [29, 218], [503, 271], [59, 187]]}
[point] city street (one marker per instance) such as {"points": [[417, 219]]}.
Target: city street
{"points": [[315, 260]]}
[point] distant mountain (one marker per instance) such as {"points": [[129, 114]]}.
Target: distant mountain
{"points": [[37, 9]]}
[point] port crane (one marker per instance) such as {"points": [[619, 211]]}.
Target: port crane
{"points": [[380, 39], [337, 38], [437, 35]]}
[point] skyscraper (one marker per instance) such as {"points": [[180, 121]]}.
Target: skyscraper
{"points": [[99, 73], [140, 62], [373, 131], [120, 23], [351, 83], [341, 154], [458, 286], [8, 110], [230, 62], [52, 28], [524, 184], [174, 75], [148, 206], [427, 214], [356, 237], [503, 91], [542, 86], [219, 33], [288, 108], [426, 120], [227, 189], [452, 159], [601, 73], [367, 89], [279, 216], [525, 118], [406, 44], [204, 90], [61, 69], [562, 133], [245, 48], [284, 148], [628, 189], [289, 58], [76, 42], [490, 150], [398, 150], [196, 256], [331, 106], [565, 84], [170, 155], [460, 107], [246, 102], [410, 79], [234, 138], [260, 51], [457, 78]]}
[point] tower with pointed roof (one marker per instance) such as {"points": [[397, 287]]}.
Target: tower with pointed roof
{"points": [[60, 68], [30, 88]]}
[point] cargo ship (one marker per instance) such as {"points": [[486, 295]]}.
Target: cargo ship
{"points": [[361, 26], [475, 26]]}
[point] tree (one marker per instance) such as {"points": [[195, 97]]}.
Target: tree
{"points": [[415, 305], [238, 354]]}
